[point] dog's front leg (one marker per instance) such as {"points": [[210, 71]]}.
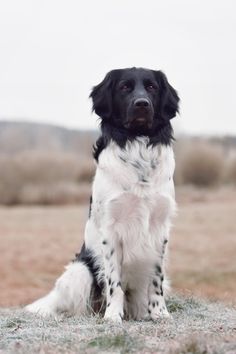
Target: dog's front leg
{"points": [[156, 302], [112, 258]]}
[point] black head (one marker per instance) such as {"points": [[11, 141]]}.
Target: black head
{"points": [[137, 100]]}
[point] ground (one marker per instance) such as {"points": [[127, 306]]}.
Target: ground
{"points": [[196, 327], [36, 242]]}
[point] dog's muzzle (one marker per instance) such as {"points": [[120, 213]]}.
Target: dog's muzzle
{"points": [[140, 114]]}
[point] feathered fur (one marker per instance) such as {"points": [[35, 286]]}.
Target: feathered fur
{"points": [[120, 269]]}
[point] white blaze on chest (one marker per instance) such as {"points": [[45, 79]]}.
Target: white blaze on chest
{"points": [[138, 168], [133, 197]]}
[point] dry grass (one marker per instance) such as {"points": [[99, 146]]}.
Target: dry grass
{"points": [[57, 177], [43, 178], [230, 173], [196, 327], [37, 242], [201, 164]]}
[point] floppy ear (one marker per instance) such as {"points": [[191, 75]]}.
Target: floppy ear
{"points": [[102, 96], [169, 99]]}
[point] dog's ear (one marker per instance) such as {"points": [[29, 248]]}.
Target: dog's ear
{"points": [[102, 96], [169, 99]]}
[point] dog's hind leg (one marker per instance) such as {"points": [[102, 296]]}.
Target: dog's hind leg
{"points": [[71, 293]]}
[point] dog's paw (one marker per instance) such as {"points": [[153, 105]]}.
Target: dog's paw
{"points": [[41, 311], [41, 308], [113, 316], [159, 312]]}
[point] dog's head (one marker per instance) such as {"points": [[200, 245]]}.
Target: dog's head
{"points": [[136, 99]]}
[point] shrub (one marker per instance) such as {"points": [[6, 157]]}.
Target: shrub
{"points": [[230, 175], [44, 178], [202, 165]]}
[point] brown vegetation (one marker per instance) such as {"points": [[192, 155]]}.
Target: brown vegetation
{"points": [[44, 178], [43, 164], [36, 243], [200, 164], [57, 177]]}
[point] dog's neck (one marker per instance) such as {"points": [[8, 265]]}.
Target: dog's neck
{"points": [[161, 135]]}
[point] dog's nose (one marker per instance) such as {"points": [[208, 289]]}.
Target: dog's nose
{"points": [[141, 102]]}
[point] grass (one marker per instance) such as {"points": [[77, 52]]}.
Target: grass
{"points": [[123, 342], [201, 261], [195, 327]]}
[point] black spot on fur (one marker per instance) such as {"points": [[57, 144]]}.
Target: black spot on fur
{"points": [[112, 251], [127, 294], [104, 242], [158, 268], [122, 159], [109, 281], [149, 311], [108, 304], [165, 241], [111, 291], [157, 303], [90, 206], [118, 283], [144, 180], [155, 283], [153, 165], [158, 293], [121, 316], [137, 164], [153, 304]]}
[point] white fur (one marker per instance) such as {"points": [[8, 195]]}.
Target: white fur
{"points": [[70, 294], [133, 202]]}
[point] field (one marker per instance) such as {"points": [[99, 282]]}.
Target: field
{"points": [[36, 242]]}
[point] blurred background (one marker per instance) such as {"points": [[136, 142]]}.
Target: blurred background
{"points": [[52, 53]]}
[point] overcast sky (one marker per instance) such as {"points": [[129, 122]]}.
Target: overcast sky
{"points": [[53, 52]]}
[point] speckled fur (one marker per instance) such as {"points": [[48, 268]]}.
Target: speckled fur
{"points": [[121, 266], [128, 228]]}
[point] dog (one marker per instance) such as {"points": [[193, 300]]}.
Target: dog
{"points": [[120, 270]]}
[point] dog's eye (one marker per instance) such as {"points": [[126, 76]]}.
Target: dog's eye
{"points": [[150, 87], [125, 87]]}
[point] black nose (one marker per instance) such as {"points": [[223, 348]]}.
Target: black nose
{"points": [[141, 102]]}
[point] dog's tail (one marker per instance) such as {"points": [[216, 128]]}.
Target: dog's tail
{"points": [[71, 293]]}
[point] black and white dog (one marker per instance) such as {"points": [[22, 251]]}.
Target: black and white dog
{"points": [[120, 268]]}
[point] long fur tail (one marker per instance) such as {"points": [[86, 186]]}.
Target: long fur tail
{"points": [[71, 293]]}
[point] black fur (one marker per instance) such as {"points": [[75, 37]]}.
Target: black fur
{"points": [[86, 256], [90, 205], [117, 109], [115, 105]]}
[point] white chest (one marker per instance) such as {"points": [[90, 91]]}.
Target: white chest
{"points": [[138, 168], [133, 196]]}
